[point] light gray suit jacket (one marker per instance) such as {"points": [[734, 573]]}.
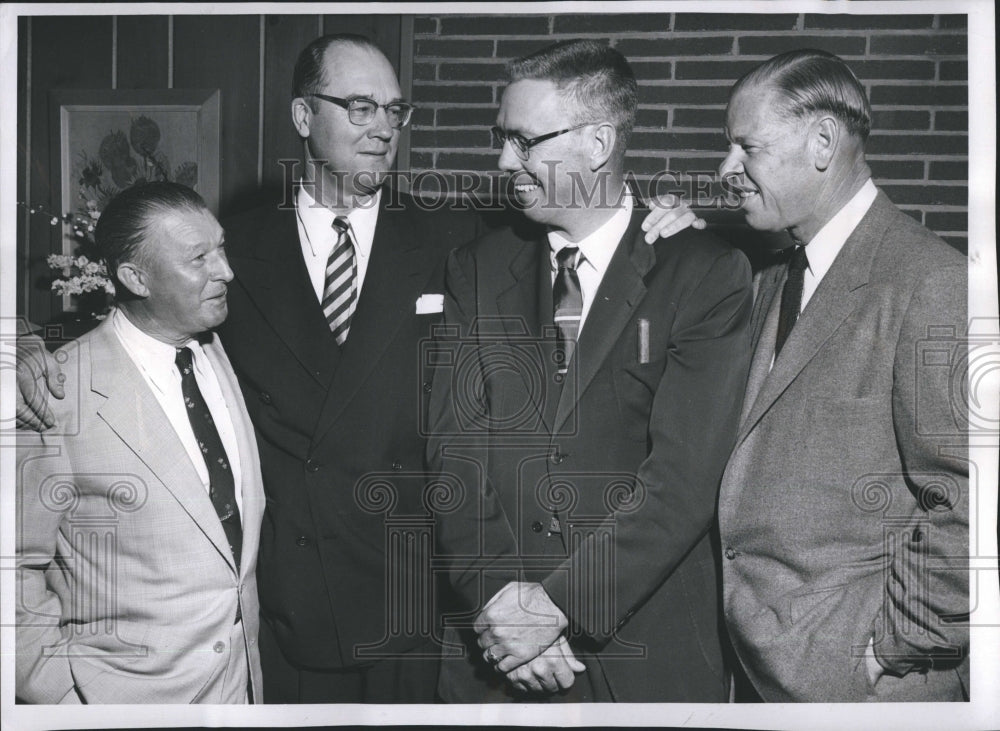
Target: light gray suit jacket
{"points": [[844, 507], [127, 589]]}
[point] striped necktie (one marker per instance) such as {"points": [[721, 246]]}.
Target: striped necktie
{"points": [[340, 286], [567, 300]]}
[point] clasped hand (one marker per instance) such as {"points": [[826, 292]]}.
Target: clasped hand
{"points": [[521, 633]]}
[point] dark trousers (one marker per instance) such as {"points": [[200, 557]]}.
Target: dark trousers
{"points": [[403, 679]]}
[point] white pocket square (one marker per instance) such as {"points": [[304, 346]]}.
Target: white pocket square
{"points": [[428, 304]]}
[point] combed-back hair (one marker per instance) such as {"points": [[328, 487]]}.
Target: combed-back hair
{"points": [[125, 223], [309, 75], [811, 80], [594, 78]]}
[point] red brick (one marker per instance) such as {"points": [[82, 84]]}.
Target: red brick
{"points": [[897, 169], [958, 22], [422, 117], [703, 46], [620, 22], [913, 44], [868, 70], [953, 71], [951, 121], [706, 164], [684, 94], [427, 94], [467, 116], [471, 72], [947, 220], [901, 119], [516, 48], [424, 71], [657, 118], [644, 165], [726, 70], [922, 95], [734, 21], [935, 144], [485, 161], [421, 160], [424, 25], [669, 141], [773, 45], [426, 138], [949, 170], [451, 49], [494, 25], [652, 70], [924, 195], [866, 22], [710, 118]]}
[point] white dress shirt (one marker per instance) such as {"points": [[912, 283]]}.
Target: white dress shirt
{"points": [[155, 361], [318, 239], [595, 255], [823, 248]]}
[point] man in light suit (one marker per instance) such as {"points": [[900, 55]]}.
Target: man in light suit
{"points": [[139, 514], [844, 506], [585, 401]]}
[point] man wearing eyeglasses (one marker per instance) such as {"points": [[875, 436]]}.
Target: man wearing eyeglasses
{"points": [[606, 378]]}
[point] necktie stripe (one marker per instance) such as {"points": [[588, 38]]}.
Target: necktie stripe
{"points": [[340, 287], [567, 300]]}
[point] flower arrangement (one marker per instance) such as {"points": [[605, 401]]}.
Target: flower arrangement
{"points": [[100, 179]]}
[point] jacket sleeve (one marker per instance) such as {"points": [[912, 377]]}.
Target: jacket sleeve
{"points": [[473, 533], [924, 618], [42, 665], [692, 428]]}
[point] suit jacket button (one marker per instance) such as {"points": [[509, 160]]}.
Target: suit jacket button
{"points": [[396, 466], [427, 387], [312, 465], [730, 553], [557, 458], [265, 397], [537, 527], [219, 647], [301, 541]]}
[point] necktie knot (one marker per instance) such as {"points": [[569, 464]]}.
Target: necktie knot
{"points": [[184, 360], [566, 257], [799, 261]]}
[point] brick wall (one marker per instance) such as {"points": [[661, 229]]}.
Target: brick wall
{"points": [[913, 67]]}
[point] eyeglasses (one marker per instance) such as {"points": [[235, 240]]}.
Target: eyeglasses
{"points": [[361, 111], [522, 145]]}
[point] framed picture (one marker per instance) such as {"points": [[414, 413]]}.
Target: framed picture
{"points": [[109, 140]]}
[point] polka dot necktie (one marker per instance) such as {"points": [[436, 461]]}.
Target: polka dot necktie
{"points": [[222, 489]]}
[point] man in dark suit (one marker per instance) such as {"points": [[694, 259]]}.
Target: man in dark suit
{"points": [[585, 399], [844, 507]]}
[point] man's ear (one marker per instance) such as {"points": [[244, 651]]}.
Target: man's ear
{"points": [[134, 278], [301, 116], [823, 140], [603, 140]]}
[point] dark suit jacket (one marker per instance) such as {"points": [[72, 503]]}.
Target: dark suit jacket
{"points": [[602, 488], [844, 507], [327, 417]]}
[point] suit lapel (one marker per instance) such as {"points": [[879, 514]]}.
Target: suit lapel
{"points": [[133, 413], [838, 294], [397, 273], [620, 292], [524, 304], [274, 276]]}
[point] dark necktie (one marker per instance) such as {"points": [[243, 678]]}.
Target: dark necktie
{"points": [[791, 297], [222, 489], [567, 301], [340, 286]]}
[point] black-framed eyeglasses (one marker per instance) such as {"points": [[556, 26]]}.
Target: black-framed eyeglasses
{"points": [[523, 145], [361, 111]]}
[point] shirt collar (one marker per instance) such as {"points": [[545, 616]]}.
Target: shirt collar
{"points": [[599, 246], [829, 240], [152, 355], [317, 221]]}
